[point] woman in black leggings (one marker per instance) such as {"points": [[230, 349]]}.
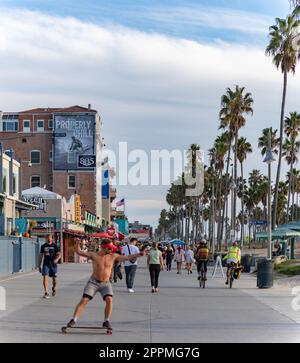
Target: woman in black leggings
{"points": [[155, 264]]}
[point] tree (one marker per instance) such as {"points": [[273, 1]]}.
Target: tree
{"points": [[235, 105], [243, 149], [263, 141], [291, 149], [285, 56]]}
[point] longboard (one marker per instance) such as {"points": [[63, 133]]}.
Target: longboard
{"points": [[65, 329]]}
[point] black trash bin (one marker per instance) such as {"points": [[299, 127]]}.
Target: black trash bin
{"points": [[246, 263], [265, 274]]}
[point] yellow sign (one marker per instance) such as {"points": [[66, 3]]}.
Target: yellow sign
{"points": [[77, 209]]}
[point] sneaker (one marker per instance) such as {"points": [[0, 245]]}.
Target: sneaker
{"points": [[178, 273], [153, 289], [130, 290], [46, 296], [107, 325], [226, 283], [71, 323], [156, 290]]}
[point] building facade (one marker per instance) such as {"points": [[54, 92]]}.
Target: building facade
{"points": [[59, 149], [11, 204]]}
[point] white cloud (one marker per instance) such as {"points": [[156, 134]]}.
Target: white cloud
{"points": [[151, 90]]}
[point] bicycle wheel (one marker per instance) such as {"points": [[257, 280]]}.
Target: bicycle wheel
{"points": [[231, 278]]}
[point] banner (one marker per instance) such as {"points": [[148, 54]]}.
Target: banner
{"points": [[105, 184], [77, 209], [73, 138]]}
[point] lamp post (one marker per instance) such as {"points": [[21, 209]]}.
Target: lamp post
{"points": [[269, 158]]}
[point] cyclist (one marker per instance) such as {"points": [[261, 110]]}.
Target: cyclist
{"points": [[201, 257], [233, 256]]}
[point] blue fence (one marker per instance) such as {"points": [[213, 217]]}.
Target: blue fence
{"points": [[19, 254]]}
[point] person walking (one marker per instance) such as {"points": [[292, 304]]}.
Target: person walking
{"points": [[179, 257], [169, 257], [48, 259], [84, 248], [103, 262], [155, 264], [130, 265], [189, 259]]}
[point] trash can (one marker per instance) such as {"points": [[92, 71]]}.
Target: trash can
{"points": [[265, 274], [246, 263]]}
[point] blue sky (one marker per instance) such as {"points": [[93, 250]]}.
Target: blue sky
{"points": [[178, 18], [155, 70]]}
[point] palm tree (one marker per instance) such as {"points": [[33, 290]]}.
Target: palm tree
{"points": [[221, 149], [243, 149], [291, 148], [263, 141], [234, 107], [285, 56]]}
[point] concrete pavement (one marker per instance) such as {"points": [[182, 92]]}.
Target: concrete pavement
{"points": [[180, 313]]}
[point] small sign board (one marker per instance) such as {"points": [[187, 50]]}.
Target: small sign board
{"points": [[87, 161]]}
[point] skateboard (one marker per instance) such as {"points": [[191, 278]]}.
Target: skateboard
{"points": [[65, 329]]}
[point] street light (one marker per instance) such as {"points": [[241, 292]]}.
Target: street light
{"points": [[269, 158]]}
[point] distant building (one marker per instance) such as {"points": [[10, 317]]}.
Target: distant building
{"points": [[11, 204], [57, 149], [143, 232]]}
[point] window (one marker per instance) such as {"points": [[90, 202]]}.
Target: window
{"points": [[72, 182], [50, 181], [14, 183], [26, 125], [40, 126], [50, 124], [4, 184], [51, 156], [35, 181], [35, 157], [9, 126]]}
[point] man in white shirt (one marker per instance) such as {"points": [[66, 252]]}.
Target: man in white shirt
{"points": [[131, 265]]}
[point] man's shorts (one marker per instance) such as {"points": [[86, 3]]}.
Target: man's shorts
{"points": [[93, 286], [50, 271], [232, 260]]}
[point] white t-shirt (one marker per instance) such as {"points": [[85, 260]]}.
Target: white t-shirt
{"points": [[133, 250], [189, 255], [179, 257]]}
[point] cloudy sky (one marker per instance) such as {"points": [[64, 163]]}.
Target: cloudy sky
{"points": [[155, 70]]}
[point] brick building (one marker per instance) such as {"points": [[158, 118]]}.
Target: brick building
{"points": [[48, 142]]}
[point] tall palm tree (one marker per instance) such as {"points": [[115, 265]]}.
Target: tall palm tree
{"points": [[263, 141], [243, 149], [285, 56], [221, 149], [291, 148], [235, 105]]}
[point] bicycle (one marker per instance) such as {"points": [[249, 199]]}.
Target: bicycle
{"points": [[202, 279], [232, 267]]}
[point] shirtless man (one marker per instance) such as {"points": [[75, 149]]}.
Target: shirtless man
{"points": [[103, 262]]}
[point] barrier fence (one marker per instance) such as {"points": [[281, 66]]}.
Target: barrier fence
{"points": [[19, 254]]}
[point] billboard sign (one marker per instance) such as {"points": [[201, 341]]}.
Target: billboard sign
{"points": [[73, 138], [38, 201]]}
